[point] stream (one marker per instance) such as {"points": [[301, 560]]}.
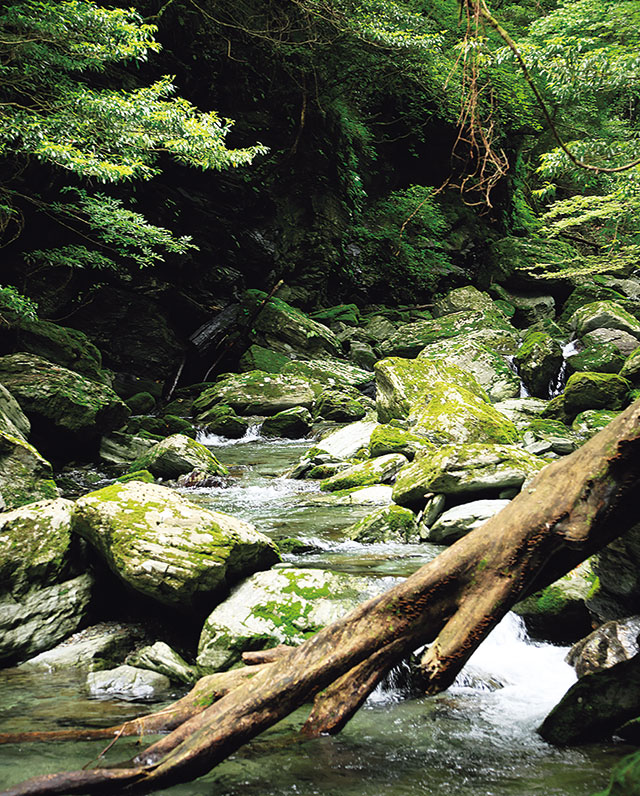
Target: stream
{"points": [[475, 739]]}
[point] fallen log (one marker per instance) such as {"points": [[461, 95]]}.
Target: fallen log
{"points": [[571, 509]]}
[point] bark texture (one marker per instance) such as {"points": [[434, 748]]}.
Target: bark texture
{"points": [[571, 509]]}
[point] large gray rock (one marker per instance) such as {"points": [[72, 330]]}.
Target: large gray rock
{"points": [[330, 372], [164, 546], [25, 475], [463, 298], [604, 315], [521, 411], [42, 599], [531, 308], [65, 408], [336, 446], [127, 682], [13, 420], [282, 606], [625, 343], [159, 657], [122, 449], [464, 469], [98, 647], [609, 644], [490, 369], [455, 523], [258, 393], [177, 455]]}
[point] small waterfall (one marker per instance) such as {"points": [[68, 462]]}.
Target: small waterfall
{"points": [[556, 385], [216, 441]]}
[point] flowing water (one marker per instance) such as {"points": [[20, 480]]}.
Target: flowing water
{"points": [[476, 739]]}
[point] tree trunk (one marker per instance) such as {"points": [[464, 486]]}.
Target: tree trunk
{"points": [[571, 509]]}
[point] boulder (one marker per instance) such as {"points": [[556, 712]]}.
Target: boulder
{"points": [[531, 308], [387, 524], [463, 298], [177, 455], [447, 413], [159, 427], [329, 372], [280, 327], [521, 411], [539, 359], [464, 469], [122, 449], [159, 657], [362, 355], [631, 368], [42, 596], [336, 446], [25, 475], [167, 548], [558, 613], [98, 647], [604, 315], [588, 423], [374, 471], [594, 391], [542, 436], [282, 606], [386, 438], [378, 328], [625, 343], [223, 421], [127, 682], [409, 339], [68, 412], [588, 292], [256, 357], [13, 420], [455, 523], [376, 495], [611, 643], [258, 393], [401, 382], [616, 593], [489, 368], [343, 313], [597, 358], [292, 423], [141, 403]]}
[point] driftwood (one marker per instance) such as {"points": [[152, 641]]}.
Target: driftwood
{"points": [[571, 509]]}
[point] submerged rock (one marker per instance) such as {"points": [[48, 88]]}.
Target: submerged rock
{"points": [[164, 546], [127, 682], [283, 606]]}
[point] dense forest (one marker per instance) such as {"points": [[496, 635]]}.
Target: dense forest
{"points": [[374, 263]]}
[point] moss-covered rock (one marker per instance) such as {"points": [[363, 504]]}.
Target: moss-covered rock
{"points": [[280, 327], [529, 308], [341, 405], [597, 358], [521, 411], [25, 475], [625, 343], [401, 382], [167, 548], [631, 368], [68, 412], [137, 475], [141, 403], [258, 393], [595, 391], [177, 455], [489, 368], [464, 469], [458, 521], [588, 293], [604, 315], [329, 372], [539, 359], [292, 423], [256, 357], [160, 427], [386, 438], [588, 423], [42, 599], [463, 298], [557, 437], [283, 606], [524, 259], [336, 446], [344, 313], [448, 413], [558, 612], [408, 340], [12, 419], [121, 449], [223, 420], [374, 471], [386, 524]]}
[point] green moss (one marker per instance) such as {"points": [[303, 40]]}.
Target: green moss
{"points": [[138, 475]]}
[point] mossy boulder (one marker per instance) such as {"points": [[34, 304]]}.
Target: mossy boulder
{"points": [[625, 343], [68, 412], [463, 298], [221, 419], [544, 435], [386, 524], [25, 475], [292, 423], [374, 471], [160, 544], [12, 419], [604, 315], [409, 339], [597, 358], [489, 368], [558, 613], [588, 423], [119, 448], [256, 357], [448, 413], [401, 382], [595, 391], [329, 372], [136, 475], [458, 521], [258, 393], [529, 308], [283, 606], [280, 327], [464, 469], [521, 411], [522, 260], [177, 455], [160, 427], [141, 403], [341, 405], [588, 293], [336, 446], [539, 359], [386, 438], [631, 368], [344, 313], [42, 597]]}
